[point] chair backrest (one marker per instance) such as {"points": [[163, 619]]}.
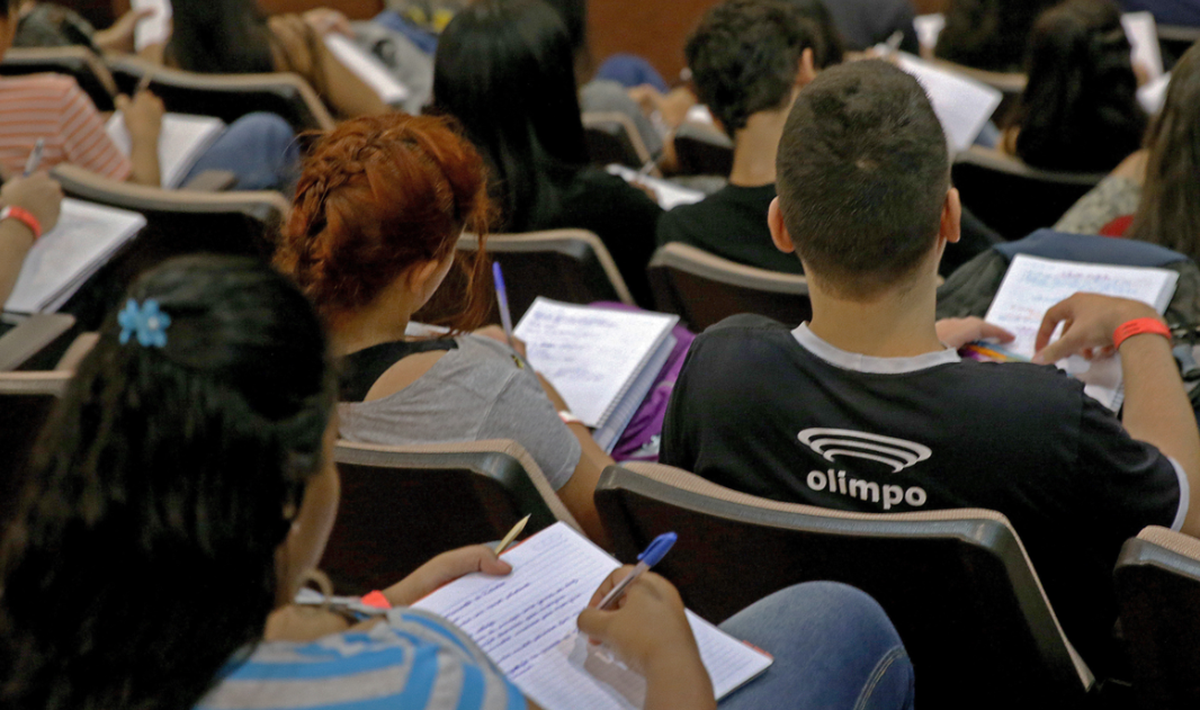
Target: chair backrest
{"points": [[1174, 40], [77, 62], [612, 138], [702, 288], [26, 399], [178, 222], [957, 584], [1013, 198], [1158, 589], [31, 338], [227, 96], [401, 505], [703, 150], [570, 265]]}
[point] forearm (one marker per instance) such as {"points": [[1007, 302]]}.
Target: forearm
{"points": [[15, 242], [1158, 412], [678, 681], [144, 156]]}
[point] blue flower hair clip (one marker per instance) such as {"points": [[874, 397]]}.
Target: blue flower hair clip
{"points": [[146, 320]]}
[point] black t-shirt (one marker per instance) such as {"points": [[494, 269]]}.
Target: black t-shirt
{"points": [[622, 216], [731, 223], [756, 411]]}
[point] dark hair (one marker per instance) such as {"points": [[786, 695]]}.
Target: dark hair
{"points": [[745, 55], [863, 172], [504, 68], [830, 47], [1079, 111], [377, 195], [989, 34], [144, 555], [220, 37], [1169, 211]]}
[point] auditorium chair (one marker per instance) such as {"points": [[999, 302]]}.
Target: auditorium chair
{"points": [[79, 63], [178, 222], [957, 584], [703, 150], [26, 399], [227, 96], [401, 505], [1013, 198], [612, 138], [570, 265], [1174, 40], [23, 339], [703, 289], [1158, 589]]}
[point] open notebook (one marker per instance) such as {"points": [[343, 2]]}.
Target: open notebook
{"points": [[1033, 284], [85, 238], [668, 194], [603, 362], [368, 68], [963, 105], [525, 623], [183, 139]]}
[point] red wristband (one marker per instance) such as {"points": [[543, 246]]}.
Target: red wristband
{"points": [[1137, 326], [377, 600], [23, 216]]}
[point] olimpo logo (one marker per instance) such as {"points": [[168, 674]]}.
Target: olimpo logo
{"points": [[897, 453]]}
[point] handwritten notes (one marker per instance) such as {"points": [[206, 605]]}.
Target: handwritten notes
{"points": [[1032, 285], [181, 142], [592, 356], [86, 236], [525, 623], [963, 105]]}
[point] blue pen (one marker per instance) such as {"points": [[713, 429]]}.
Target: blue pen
{"points": [[502, 298], [655, 551]]}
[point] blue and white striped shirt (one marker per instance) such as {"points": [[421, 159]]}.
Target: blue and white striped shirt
{"points": [[414, 661]]}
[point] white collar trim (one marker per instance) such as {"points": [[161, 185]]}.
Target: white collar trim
{"points": [[866, 363]]}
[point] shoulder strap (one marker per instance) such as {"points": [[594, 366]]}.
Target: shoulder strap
{"points": [[360, 370]]}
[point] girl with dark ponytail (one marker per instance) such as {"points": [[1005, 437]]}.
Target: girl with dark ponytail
{"points": [[1079, 111]]}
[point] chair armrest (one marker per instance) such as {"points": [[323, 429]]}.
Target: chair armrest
{"points": [[211, 181], [30, 337]]}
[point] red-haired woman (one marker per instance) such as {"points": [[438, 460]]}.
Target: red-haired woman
{"points": [[379, 208]]}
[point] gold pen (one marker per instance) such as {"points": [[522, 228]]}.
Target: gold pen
{"points": [[512, 534]]}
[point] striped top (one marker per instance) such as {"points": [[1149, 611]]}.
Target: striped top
{"points": [[415, 660], [53, 107]]}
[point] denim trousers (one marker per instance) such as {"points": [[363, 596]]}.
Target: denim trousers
{"points": [[834, 649], [260, 149]]}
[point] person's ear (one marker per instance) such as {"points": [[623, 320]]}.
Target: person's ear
{"points": [[420, 276], [807, 72], [951, 228], [779, 232]]}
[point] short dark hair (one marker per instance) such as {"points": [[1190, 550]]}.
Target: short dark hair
{"points": [[862, 174], [744, 56]]}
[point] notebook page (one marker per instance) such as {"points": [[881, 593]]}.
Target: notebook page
{"points": [[183, 139], [668, 193], [929, 28], [963, 105], [368, 68], [84, 238], [155, 29], [1032, 285], [1153, 94], [589, 354], [525, 623], [1142, 32]]}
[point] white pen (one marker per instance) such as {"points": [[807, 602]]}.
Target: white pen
{"points": [[35, 157]]}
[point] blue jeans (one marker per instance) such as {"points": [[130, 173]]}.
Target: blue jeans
{"points": [[834, 648], [260, 148]]}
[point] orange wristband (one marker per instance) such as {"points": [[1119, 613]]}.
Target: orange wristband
{"points": [[377, 600], [1137, 326], [23, 216]]}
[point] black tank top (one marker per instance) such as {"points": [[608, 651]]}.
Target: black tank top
{"points": [[360, 370]]}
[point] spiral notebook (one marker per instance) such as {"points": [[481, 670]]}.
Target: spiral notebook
{"points": [[525, 623], [602, 361]]}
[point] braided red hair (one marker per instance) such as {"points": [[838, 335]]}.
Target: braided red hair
{"points": [[378, 195]]}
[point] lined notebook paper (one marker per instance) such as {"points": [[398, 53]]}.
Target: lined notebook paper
{"points": [[963, 105], [182, 141], [597, 358], [525, 623], [86, 236], [668, 194], [155, 29], [1032, 285]]}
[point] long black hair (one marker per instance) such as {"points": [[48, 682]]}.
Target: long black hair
{"points": [[989, 34], [144, 555], [505, 69], [1169, 211], [220, 37], [1079, 111]]}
